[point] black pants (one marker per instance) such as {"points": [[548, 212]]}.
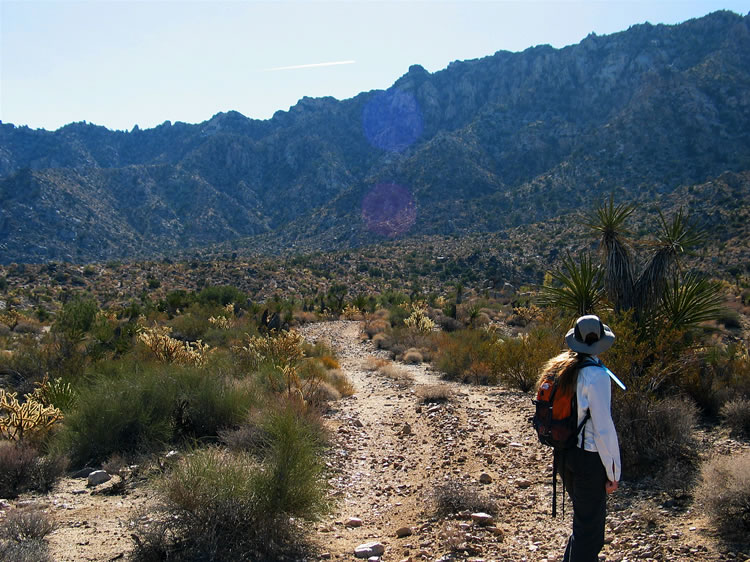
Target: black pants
{"points": [[585, 477]]}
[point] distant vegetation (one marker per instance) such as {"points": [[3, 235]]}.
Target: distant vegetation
{"points": [[116, 368]]}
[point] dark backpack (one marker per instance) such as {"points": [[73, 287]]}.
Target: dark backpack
{"points": [[556, 422]]}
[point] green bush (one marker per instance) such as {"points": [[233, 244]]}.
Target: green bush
{"points": [[219, 505], [193, 323], [222, 296], [457, 352], [133, 407], [76, 317], [724, 490]]}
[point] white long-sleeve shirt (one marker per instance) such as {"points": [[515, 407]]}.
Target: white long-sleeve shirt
{"points": [[594, 393]]}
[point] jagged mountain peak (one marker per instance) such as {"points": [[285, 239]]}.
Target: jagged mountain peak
{"points": [[481, 145]]}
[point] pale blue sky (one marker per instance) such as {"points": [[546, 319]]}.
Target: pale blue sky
{"points": [[122, 63]]}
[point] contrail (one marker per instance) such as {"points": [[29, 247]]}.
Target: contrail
{"points": [[314, 65]]}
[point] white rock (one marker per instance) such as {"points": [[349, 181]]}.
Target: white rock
{"points": [[482, 518], [98, 477], [353, 522], [369, 549]]}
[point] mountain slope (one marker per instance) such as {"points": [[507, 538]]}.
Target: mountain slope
{"points": [[502, 141]]}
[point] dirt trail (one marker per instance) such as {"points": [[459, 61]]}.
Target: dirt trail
{"points": [[387, 476], [389, 453]]}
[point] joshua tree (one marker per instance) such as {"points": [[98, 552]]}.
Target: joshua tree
{"points": [[659, 294]]}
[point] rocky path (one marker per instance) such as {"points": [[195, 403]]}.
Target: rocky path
{"points": [[390, 452]]}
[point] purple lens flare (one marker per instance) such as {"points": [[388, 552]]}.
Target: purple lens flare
{"points": [[389, 210]]}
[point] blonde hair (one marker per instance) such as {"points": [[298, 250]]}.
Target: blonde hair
{"points": [[562, 366]]}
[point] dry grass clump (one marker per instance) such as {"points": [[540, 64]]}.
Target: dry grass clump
{"points": [[22, 468], [373, 363], [397, 374], [381, 341], [736, 415], [376, 325], [26, 525], [435, 394], [413, 356], [724, 490], [455, 496], [340, 382], [22, 534], [656, 433]]}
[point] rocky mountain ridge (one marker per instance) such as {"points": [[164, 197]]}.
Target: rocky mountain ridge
{"points": [[481, 146]]}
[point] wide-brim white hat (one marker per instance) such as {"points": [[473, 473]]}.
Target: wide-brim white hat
{"points": [[590, 335]]}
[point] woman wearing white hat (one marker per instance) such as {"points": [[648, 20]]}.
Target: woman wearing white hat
{"points": [[591, 469]]}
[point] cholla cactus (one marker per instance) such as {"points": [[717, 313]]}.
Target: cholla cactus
{"points": [[31, 416], [351, 312], [528, 313], [418, 319], [166, 349], [281, 349], [220, 322]]}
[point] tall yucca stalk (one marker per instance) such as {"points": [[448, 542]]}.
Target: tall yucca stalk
{"points": [[609, 220], [578, 286], [676, 238]]}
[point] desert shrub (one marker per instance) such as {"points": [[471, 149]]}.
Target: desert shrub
{"points": [[712, 375], [222, 296], [455, 496], [26, 525], [413, 356], [76, 317], [518, 361], [340, 382], [375, 325], [373, 363], [736, 415], [724, 490], [26, 551], [448, 323], [193, 323], [131, 407], [655, 433], [220, 505], [398, 374], [22, 468], [457, 351], [434, 394]]}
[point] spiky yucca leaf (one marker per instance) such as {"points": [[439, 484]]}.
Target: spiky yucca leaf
{"points": [[680, 235], [578, 286], [689, 302], [609, 220], [676, 238]]}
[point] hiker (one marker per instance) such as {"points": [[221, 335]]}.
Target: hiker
{"points": [[590, 467]]}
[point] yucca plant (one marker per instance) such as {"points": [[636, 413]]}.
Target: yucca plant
{"points": [[676, 238], [577, 286], [688, 302], [609, 220]]}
